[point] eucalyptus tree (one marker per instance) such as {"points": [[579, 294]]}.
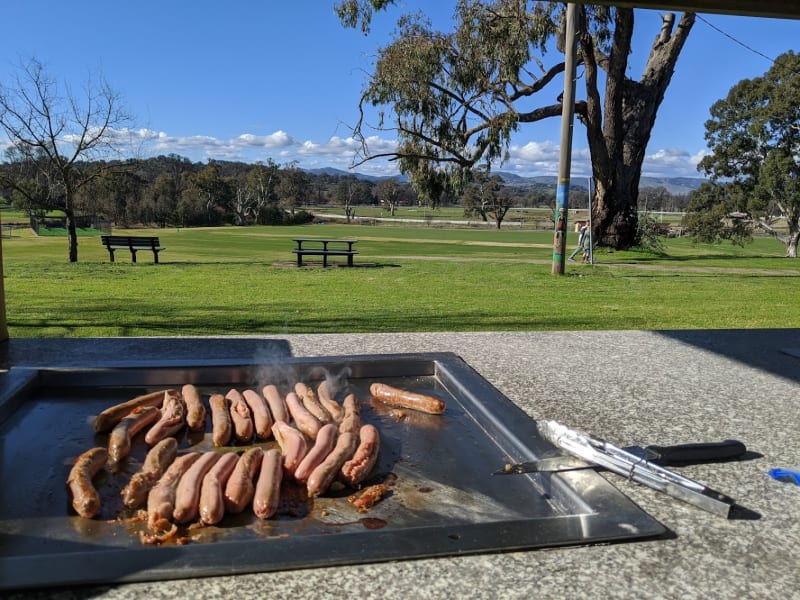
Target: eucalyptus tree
{"points": [[754, 161], [61, 134], [455, 98]]}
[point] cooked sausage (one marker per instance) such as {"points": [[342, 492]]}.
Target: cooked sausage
{"points": [[119, 442], [323, 475], [277, 406], [161, 499], [327, 398], [221, 427], [309, 399], [85, 497], [326, 439], [262, 419], [155, 463], [303, 419], [405, 399], [241, 485], [195, 409], [106, 420], [293, 445], [358, 468], [351, 421], [172, 419], [240, 417], [212, 492], [187, 495], [268, 487]]}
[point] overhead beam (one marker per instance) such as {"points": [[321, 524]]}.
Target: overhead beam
{"points": [[779, 9]]}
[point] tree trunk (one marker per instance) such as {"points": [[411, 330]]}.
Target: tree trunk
{"points": [[618, 135], [72, 233], [791, 245]]}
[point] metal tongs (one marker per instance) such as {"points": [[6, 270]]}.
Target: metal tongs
{"points": [[605, 454]]}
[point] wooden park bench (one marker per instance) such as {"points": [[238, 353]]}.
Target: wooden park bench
{"points": [[132, 243], [324, 248]]}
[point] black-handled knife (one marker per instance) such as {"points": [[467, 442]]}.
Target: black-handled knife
{"points": [[680, 454]]}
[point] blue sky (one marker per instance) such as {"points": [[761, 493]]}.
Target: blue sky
{"points": [[248, 80]]}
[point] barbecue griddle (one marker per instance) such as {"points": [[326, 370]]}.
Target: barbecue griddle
{"points": [[443, 499]]}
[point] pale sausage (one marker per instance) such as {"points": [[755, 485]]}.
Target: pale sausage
{"points": [[241, 485], [240, 417], [327, 398], [277, 406], [309, 399], [173, 418], [303, 419], [326, 439], [212, 492], [187, 495], [268, 487], [293, 445], [195, 409], [358, 468], [262, 419], [161, 499], [323, 475], [351, 422]]}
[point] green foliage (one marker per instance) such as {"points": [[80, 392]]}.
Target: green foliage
{"points": [[754, 162]]}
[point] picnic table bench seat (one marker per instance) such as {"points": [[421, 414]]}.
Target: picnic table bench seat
{"points": [[132, 243], [324, 248]]}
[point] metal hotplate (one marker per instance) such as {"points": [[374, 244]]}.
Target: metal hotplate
{"points": [[443, 498]]}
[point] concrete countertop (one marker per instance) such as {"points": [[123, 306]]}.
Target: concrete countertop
{"points": [[631, 387]]}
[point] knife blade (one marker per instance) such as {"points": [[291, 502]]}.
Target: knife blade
{"points": [[679, 454]]}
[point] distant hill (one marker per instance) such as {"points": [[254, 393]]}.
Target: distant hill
{"points": [[674, 185]]}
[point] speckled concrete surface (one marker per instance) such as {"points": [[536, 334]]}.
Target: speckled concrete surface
{"points": [[631, 387]]}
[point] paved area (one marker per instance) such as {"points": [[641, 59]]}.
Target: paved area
{"points": [[631, 387]]}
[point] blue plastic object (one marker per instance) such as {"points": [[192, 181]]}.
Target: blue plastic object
{"points": [[785, 475]]}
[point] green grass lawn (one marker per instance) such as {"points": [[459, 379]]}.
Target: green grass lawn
{"points": [[229, 280]]}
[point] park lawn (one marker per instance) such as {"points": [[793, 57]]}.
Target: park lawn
{"points": [[239, 281]]}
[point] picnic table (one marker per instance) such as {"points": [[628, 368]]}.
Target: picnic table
{"points": [[324, 247]]}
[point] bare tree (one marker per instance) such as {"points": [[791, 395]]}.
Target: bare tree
{"points": [[61, 134]]}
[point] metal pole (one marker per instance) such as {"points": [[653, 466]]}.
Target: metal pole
{"points": [[591, 241], [565, 156]]}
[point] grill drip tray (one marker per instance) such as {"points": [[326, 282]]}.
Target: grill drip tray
{"points": [[443, 498]]}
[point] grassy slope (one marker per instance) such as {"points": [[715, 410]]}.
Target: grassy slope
{"points": [[229, 281]]}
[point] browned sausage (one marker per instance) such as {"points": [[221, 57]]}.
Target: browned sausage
{"points": [[187, 495], [351, 421], [323, 475], [172, 419], [155, 463], [212, 492], [262, 419], [221, 427], [106, 420], [85, 498], [293, 445], [268, 487], [326, 439], [119, 442], [240, 417], [405, 399], [241, 486], [195, 409], [309, 399], [161, 499], [358, 468], [277, 406], [303, 419], [327, 398]]}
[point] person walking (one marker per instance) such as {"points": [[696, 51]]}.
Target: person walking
{"points": [[581, 235], [587, 246]]}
